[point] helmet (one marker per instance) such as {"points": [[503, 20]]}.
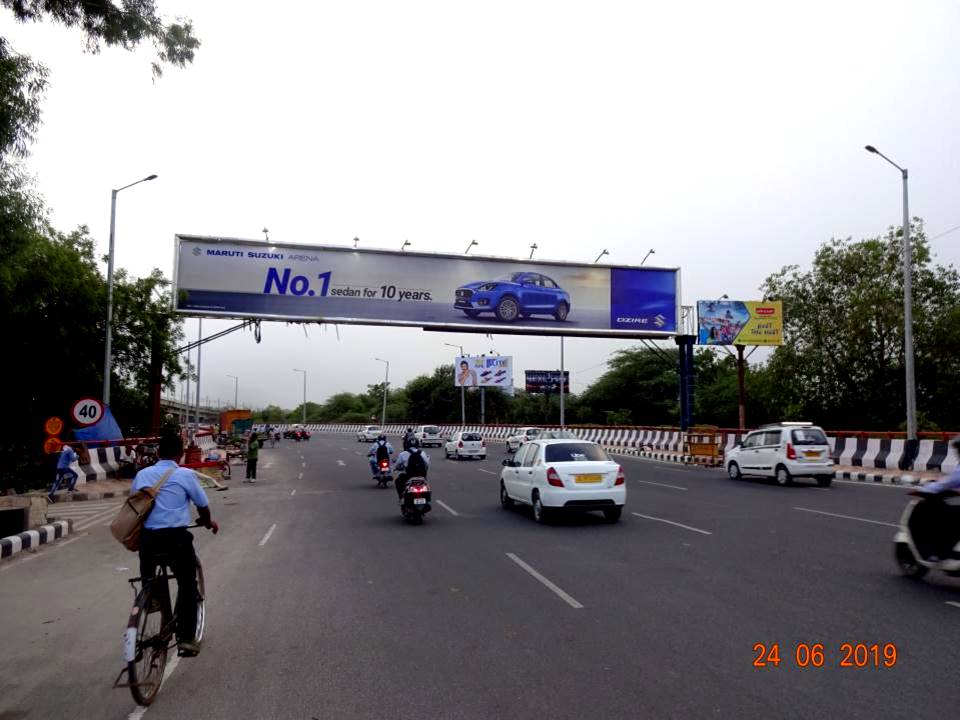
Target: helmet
{"points": [[409, 429], [414, 443]]}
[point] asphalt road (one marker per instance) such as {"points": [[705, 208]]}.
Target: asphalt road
{"points": [[323, 603]]}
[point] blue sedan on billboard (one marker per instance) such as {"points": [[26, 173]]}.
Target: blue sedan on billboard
{"points": [[512, 296]]}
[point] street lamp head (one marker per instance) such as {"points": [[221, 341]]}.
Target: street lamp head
{"points": [[150, 177], [871, 148]]}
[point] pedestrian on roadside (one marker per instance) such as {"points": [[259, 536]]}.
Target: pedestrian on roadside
{"points": [[67, 458], [253, 452]]}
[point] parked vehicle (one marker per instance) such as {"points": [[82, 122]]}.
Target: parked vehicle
{"points": [[922, 524], [783, 451], [466, 445], [428, 435], [416, 500], [521, 436], [563, 475], [513, 296], [369, 433]]}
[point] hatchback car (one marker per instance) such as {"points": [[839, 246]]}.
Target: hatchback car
{"points": [[513, 296], [466, 445], [369, 433], [563, 475], [783, 451], [521, 436], [428, 435]]}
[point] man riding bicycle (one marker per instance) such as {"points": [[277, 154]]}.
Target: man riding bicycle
{"points": [[165, 538]]}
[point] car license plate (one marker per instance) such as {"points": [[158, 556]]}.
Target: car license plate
{"points": [[419, 501], [811, 454], [588, 478]]}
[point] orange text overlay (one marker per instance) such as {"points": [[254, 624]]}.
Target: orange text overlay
{"points": [[818, 655]]}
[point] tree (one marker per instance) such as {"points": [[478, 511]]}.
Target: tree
{"points": [[842, 361]]}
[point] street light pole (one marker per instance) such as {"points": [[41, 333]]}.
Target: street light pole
{"points": [[908, 360], [386, 382], [304, 414], [236, 391], [108, 349], [463, 392]]}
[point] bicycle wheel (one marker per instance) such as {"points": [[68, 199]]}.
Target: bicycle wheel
{"points": [[145, 644], [225, 470], [201, 609]]}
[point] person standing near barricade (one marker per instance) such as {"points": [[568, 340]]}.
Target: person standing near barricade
{"points": [[67, 458], [253, 452]]}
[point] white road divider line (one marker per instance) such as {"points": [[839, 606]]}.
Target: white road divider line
{"points": [[446, 507], [954, 603], [267, 536], [650, 482], [93, 520], [488, 472], [293, 492], [847, 517], [303, 464], [671, 522], [300, 476], [341, 463], [267, 466], [549, 585], [171, 666]]}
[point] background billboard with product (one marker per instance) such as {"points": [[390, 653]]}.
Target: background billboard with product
{"points": [[483, 371], [541, 381], [244, 278], [740, 322]]}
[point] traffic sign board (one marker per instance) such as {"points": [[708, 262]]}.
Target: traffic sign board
{"points": [[53, 426], [52, 445], [87, 411]]}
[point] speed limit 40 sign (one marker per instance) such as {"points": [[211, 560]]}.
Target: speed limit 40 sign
{"points": [[87, 411]]}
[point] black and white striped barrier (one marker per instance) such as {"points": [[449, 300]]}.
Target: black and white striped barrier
{"points": [[34, 538]]}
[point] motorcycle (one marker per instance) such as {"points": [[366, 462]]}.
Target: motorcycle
{"points": [[384, 475], [416, 500], [914, 542]]}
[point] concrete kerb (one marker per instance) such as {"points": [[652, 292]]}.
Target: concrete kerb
{"points": [[10, 546]]}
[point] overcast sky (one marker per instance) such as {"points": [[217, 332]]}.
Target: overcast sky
{"points": [[727, 136]]}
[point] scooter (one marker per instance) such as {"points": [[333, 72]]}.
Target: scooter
{"points": [[913, 542], [416, 500], [384, 476]]}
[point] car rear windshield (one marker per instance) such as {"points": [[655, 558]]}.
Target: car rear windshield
{"points": [[573, 452], [472, 437], [432, 429], [533, 432], [809, 436]]}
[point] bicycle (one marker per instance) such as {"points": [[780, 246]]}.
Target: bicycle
{"points": [[151, 632]]}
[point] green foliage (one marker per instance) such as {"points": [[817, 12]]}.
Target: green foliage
{"points": [[22, 85]]}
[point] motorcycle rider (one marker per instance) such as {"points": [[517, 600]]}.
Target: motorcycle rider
{"points": [[412, 462], [407, 437], [944, 519], [380, 450]]}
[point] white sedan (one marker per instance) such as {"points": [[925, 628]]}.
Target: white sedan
{"points": [[569, 475], [369, 433], [521, 436], [466, 444]]}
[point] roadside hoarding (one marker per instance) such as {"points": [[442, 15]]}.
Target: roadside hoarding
{"points": [[547, 381], [483, 371], [245, 278], [740, 322]]}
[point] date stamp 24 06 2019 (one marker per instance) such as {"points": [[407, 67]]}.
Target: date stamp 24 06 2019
{"points": [[817, 655]]}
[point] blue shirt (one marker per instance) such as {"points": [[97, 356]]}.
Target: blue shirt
{"points": [[951, 482], [373, 448], [67, 458], [171, 508], [401, 463]]}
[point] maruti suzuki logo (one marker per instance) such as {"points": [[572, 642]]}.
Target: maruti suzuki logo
{"points": [[659, 320]]}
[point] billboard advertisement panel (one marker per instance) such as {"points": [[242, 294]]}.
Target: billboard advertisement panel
{"points": [[541, 381], [244, 278], [740, 322], [485, 371]]}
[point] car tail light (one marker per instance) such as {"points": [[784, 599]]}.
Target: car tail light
{"points": [[621, 478], [554, 478], [791, 453], [460, 444]]}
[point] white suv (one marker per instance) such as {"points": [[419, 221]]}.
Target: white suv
{"points": [[783, 451], [428, 435], [369, 433], [570, 475], [520, 436]]}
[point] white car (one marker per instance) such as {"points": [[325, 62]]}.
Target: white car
{"points": [[521, 436], [783, 451], [466, 445], [571, 475], [428, 435], [369, 434]]}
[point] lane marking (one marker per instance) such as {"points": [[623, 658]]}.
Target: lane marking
{"points": [[267, 536], [293, 492], [446, 507], [303, 464], [300, 476], [171, 666], [549, 585], [954, 603], [650, 482], [671, 522], [341, 463], [488, 472], [100, 517], [848, 517], [267, 465], [357, 452]]}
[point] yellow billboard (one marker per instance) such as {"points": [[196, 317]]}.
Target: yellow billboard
{"points": [[740, 322]]}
